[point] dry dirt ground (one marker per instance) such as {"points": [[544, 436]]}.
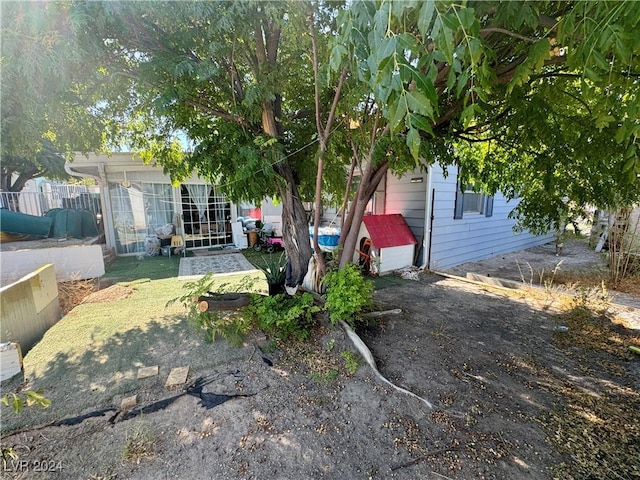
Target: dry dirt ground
{"points": [[513, 398]]}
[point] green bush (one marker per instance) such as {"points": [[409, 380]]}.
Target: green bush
{"points": [[283, 315], [351, 362], [274, 269], [348, 294], [280, 316], [232, 325]]}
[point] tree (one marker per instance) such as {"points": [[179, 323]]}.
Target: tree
{"points": [[237, 78], [47, 90], [498, 88], [493, 87]]}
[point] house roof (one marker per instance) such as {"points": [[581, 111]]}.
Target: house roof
{"points": [[388, 230]]}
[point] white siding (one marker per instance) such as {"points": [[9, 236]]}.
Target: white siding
{"points": [[475, 236], [394, 258]]}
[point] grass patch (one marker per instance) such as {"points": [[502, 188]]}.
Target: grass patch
{"points": [[131, 268], [387, 281], [629, 284], [324, 377], [91, 356], [139, 444], [351, 362]]}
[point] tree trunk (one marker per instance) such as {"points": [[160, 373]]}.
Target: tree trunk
{"points": [[323, 137], [20, 181], [295, 233], [295, 230], [349, 238], [222, 301]]}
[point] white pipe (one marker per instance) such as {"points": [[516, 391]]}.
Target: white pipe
{"points": [[104, 200], [426, 240], [368, 356], [67, 168]]}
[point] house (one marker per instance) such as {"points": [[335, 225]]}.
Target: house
{"points": [[453, 226], [139, 202], [386, 243], [450, 225]]}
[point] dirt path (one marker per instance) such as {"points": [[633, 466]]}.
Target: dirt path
{"points": [[498, 375]]}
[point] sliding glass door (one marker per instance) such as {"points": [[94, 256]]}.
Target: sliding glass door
{"points": [[206, 216]]}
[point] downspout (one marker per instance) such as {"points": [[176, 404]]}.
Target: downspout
{"points": [[104, 199], [428, 220]]}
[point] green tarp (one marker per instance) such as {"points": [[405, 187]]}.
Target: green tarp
{"points": [[56, 223]]}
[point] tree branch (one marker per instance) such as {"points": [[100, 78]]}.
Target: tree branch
{"points": [[334, 104], [232, 117], [487, 31], [187, 101]]}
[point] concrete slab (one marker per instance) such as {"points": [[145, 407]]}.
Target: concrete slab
{"points": [[144, 372], [177, 376]]}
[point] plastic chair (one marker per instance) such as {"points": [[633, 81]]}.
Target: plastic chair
{"points": [[177, 243]]}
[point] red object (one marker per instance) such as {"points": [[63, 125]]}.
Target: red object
{"points": [[275, 241], [388, 230]]}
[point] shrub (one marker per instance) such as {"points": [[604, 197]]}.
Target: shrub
{"points": [[348, 294], [351, 362], [139, 443], [232, 325], [274, 269], [282, 315]]}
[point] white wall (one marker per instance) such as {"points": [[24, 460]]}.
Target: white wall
{"points": [[395, 258], [272, 213], [29, 307], [475, 236], [633, 231], [71, 263], [408, 199]]}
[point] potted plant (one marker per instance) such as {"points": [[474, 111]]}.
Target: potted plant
{"points": [[275, 273]]}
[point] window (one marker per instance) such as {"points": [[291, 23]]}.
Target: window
{"points": [[470, 202], [137, 211]]}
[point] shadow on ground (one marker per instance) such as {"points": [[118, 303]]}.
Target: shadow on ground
{"points": [[513, 398]]}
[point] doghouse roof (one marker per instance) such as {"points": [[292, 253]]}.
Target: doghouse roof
{"points": [[388, 230]]}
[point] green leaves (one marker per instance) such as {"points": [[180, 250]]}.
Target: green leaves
{"points": [[537, 53], [425, 17], [29, 398], [413, 142], [603, 121], [284, 316], [337, 52], [348, 294]]}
